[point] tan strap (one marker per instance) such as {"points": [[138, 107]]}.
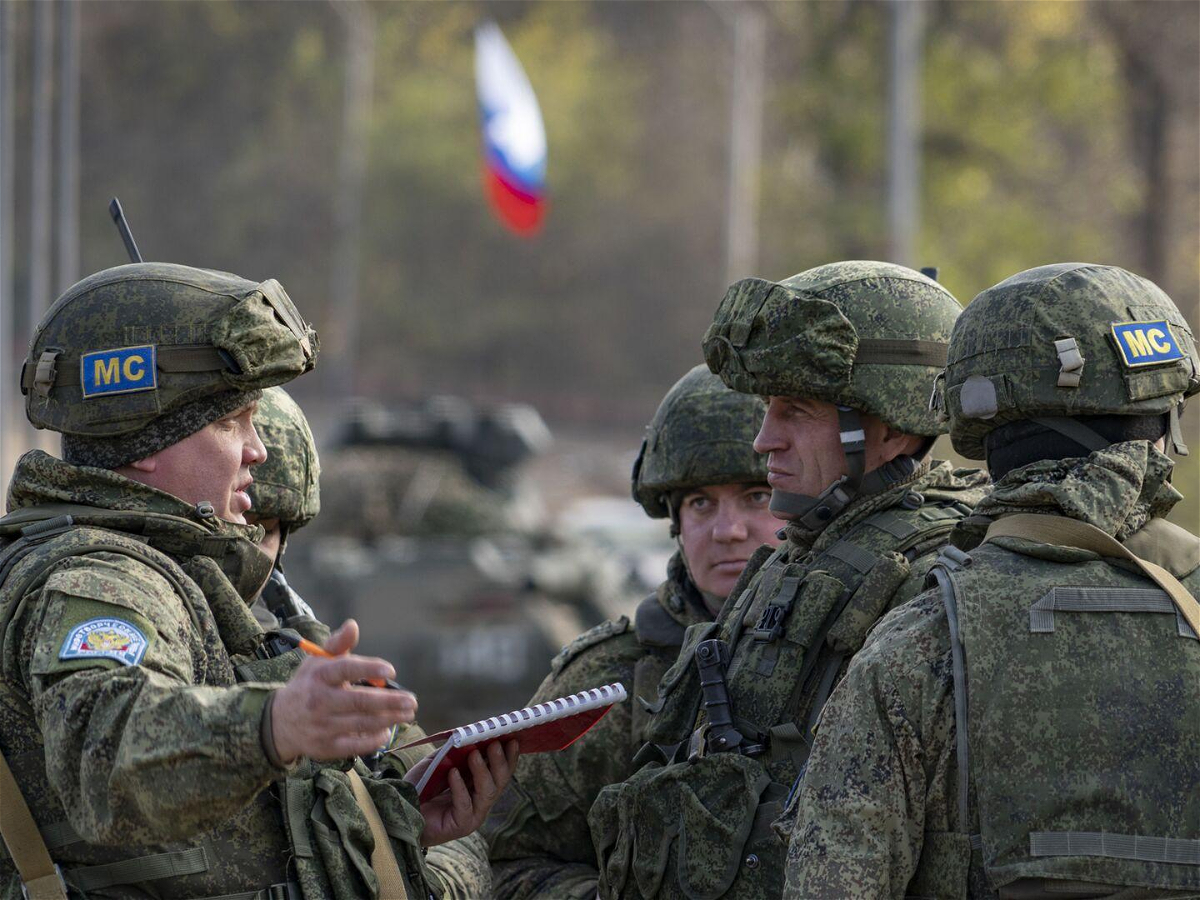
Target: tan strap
{"points": [[25, 845], [383, 857], [1072, 533]]}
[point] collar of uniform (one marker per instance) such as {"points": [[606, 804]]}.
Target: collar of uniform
{"points": [[679, 596], [1118, 489], [163, 520], [804, 541]]}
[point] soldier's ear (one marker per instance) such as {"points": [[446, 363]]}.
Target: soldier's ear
{"points": [[146, 466]]}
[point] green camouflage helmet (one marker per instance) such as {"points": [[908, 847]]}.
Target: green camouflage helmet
{"points": [[866, 335], [287, 486], [702, 434], [134, 343], [1066, 340]]}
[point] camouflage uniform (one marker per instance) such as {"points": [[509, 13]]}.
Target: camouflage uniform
{"points": [[702, 434], [287, 487], [133, 704], [1079, 778], [694, 821]]}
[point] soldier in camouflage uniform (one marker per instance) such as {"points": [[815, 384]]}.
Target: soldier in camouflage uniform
{"points": [[846, 355], [1027, 728], [155, 749], [286, 496], [697, 466]]}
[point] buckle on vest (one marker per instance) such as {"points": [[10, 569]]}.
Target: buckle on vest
{"points": [[698, 744], [57, 874], [770, 623]]}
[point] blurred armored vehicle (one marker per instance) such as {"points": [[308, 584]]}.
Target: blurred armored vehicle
{"points": [[433, 536]]}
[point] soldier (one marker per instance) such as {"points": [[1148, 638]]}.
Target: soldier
{"points": [[142, 732], [697, 466], [846, 354], [286, 496], [1027, 727]]}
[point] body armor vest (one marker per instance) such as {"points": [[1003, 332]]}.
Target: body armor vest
{"points": [[703, 830], [246, 857], [1079, 686]]}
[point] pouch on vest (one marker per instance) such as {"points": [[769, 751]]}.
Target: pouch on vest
{"points": [[332, 840], [668, 832]]}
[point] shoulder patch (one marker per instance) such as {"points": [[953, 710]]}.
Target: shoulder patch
{"points": [[120, 371], [108, 638], [1146, 343], [591, 638]]}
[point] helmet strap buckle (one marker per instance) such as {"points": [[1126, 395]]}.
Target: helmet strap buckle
{"points": [[44, 374]]}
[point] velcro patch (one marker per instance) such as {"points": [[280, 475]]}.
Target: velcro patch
{"points": [[108, 638], [1146, 343], [120, 371]]}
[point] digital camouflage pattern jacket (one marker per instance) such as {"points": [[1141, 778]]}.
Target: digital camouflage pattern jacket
{"points": [[538, 832], [878, 814], [694, 821], [122, 631]]}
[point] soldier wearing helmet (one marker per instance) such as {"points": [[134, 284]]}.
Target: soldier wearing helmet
{"points": [[845, 355], [142, 727], [1027, 726], [698, 467], [287, 496]]}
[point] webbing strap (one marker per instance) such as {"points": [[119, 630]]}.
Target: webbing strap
{"points": [[1072, 533], [959, 671], [383, 857], [168, 359], [172, 864], [859, 559], [288, 890], [880, 352], [39, 875], [1140, 847], [1103, 600]]}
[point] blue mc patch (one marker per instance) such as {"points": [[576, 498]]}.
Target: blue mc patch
{"points": [[120, 371], [107, 638], [1145, 343]]}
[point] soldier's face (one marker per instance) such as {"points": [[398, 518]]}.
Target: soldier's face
{"points": [[213, 464], [720, 527], [801, 440]]}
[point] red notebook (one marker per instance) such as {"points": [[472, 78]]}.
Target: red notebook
{"points": [[554, 725]]}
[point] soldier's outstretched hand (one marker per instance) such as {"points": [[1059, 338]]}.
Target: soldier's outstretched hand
{"points": [[459, 810], [323, 712]]}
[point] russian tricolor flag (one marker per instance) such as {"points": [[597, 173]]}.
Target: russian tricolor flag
{"points": [[514, 139]]}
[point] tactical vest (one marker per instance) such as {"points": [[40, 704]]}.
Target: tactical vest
{"points": [[306, 822], [695, 822], [1077, 682]]}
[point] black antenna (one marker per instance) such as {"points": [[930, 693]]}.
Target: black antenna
{"points": [[118, 216]]}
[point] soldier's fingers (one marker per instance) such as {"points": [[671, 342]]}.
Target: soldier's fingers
{"points": [[355, 723], [344, 639], [358, 743], [460, 797], [483, 786], [336, 672], [512, 752]]}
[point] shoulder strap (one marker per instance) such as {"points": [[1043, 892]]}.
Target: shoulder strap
{"points": [[383, 857], [40, 877], [655, 627], [1072, 533]]}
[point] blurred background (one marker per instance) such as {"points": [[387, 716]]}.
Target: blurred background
{"points": [[481, 393]]}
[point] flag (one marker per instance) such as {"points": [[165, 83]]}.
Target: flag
{"points": [[514, 139]]}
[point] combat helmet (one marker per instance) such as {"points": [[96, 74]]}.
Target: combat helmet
{"points": [[1058, 342], [702, 434], [869, 337], [287, 486], [132, 351]]}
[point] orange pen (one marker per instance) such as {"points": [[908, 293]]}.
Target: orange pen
{"points": [[317, 650]]}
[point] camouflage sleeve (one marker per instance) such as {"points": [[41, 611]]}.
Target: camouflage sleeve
{"points": [[538, 835], [136, 750], [877, 777], [462, 868]]}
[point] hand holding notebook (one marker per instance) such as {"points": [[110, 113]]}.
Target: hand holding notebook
{"points": [[545, 727]]}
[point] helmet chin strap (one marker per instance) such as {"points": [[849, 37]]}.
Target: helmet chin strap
{"points": [[814, 513]]}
